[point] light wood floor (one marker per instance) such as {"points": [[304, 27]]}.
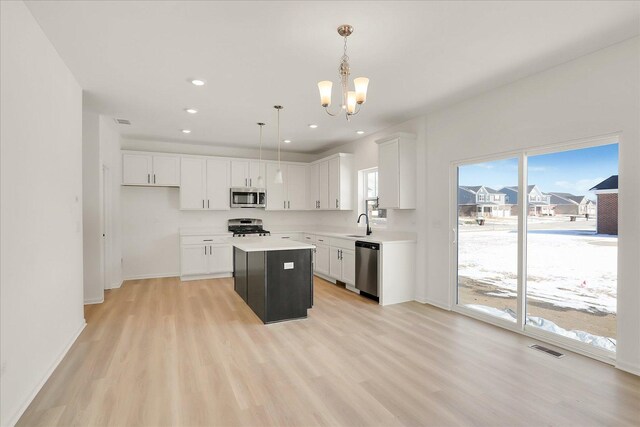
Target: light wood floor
{"points": [[161, 352]]}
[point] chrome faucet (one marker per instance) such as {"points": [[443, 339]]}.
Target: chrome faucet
{"points": [[367, 218]]}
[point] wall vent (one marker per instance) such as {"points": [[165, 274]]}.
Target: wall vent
{"points": [[122, 121], [553, 353]]}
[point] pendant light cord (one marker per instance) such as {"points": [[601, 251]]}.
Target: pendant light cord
{"points": [[279, 140]]}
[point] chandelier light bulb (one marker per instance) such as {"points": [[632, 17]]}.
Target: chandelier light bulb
{"points": [[361, 84], [351, 102], [325, 92]]}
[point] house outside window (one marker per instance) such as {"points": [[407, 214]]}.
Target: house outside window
{"points": [[370, 199]]}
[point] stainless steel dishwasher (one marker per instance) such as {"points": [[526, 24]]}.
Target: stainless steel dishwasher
{"points": [[367, 256]]}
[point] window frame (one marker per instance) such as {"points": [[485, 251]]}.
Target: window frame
{"points": [[523, 204], [365, 199]]}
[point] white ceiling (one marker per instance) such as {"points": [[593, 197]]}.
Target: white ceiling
{"points": [[134, 59]]}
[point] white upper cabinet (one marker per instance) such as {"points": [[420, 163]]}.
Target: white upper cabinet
{"points": [[291, 194], [218, 196], [150, 169], [313, 190], [323, 185], [136, 169], [329, 183], [245, 173], [397, 172], [256, 169], [239, 173], [296, 187], [275, 192], [166, 171], [204, 184], [193, 188]]}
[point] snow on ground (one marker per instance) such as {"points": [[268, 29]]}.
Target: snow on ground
{"points": [[567, 267]]}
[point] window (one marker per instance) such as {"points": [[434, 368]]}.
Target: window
{"points": [[370, 197]]}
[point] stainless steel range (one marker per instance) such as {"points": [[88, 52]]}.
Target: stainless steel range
{"points": [[247, 227]]}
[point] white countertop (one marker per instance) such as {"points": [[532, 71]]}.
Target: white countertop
{"points": [[261, 244], [378, 236]]}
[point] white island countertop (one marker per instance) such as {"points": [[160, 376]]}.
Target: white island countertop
{"points": [[262, 244]]}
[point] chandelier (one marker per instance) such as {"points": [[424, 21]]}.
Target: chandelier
{"points": [[351, 100]]}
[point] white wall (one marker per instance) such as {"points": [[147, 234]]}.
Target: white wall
{"points": [[91, 208], [111, 164], [594, 95], [41, 217]]}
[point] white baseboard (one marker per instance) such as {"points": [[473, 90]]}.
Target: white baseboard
{"points": [[628, 367], [13, 420], [151, 276], [205, 276], [115, 285], [425, 300], [94, 301]]}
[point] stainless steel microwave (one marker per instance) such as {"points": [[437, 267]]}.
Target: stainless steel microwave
{"points": [[242, 197]]}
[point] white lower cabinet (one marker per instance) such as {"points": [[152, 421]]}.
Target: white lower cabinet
{"points": [[202, 256], [342, 265], [348, 266], [334, 258], [193, 260], [322, 259]]}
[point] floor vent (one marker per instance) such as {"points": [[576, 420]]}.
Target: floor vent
{"points": [[547, 350]]}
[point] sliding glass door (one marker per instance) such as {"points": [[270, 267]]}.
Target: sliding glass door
{"points": [[488, 238], [536, 244], [571, 265]]}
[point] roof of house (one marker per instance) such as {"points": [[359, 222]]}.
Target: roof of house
{"points": [[610, 183], [561, 199], [565, 198], [515, 188], [476, 188]]}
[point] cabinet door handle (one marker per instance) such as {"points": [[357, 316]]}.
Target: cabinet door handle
{"points": [[205, 250], [289, 204], [207, 203], [154, 178], [210, 250], [284, 204], [250, 182], [148, 178], [202, 203], [336, 203]]}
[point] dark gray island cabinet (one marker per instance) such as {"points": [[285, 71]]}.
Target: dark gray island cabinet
{"points": [[274, 277]]}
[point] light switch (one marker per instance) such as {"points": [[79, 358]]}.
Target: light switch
{"points": [[288, 266]]}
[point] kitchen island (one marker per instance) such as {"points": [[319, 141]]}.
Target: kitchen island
{"points": [[274, 277]]}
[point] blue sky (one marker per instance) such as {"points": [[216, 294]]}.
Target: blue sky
{"points": [[572, 171]]}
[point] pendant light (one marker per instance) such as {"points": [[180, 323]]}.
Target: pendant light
{"points": [[278, 179], [260, 178]]}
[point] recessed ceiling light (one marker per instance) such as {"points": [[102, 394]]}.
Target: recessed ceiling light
{"points": [[359, 132], [286, 141], [191, 110], [312, 126], [197, 82], [186, 131]]}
